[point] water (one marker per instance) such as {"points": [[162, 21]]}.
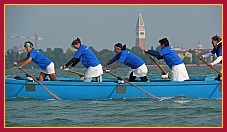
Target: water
{"points": [[171, 112]]}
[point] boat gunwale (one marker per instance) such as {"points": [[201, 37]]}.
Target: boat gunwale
{"points": [[115, 83]]}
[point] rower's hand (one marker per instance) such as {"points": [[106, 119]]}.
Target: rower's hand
{"points": [[209, 64], [145, 51], [200, 57], [61, 67], [107, 70], [15, 63], [20, 67], [67, 69]]}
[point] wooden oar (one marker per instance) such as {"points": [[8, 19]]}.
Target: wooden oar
{"points": [[152, 96], [79, 73], [201, 58], [55, 96], [75, 72], [163, 71]]}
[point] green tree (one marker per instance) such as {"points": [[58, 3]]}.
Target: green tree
{"points": [[105, 55], [187, 60], [158, 47]]}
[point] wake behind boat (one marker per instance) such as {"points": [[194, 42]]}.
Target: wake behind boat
{"points": [[111, 88]]}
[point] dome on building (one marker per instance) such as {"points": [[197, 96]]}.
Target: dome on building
{"points": [[199, 45]]}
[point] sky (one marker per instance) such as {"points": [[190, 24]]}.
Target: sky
{"points": [[103, 26]]}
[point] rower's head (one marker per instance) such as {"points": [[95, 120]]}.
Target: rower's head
{"points": [[119, 47], [215, 40], [76, 43], [164, 42], [28, 46]]}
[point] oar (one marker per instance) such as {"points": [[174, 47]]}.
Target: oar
{"points": [[152, 96], [75, 72], [79, 73], [163, 71], [55, 96], [201, 58]]}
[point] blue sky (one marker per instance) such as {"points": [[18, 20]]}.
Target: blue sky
{"points": [[103, 26]]}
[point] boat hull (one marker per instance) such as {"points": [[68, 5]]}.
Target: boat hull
{"points": [[71, 89]]}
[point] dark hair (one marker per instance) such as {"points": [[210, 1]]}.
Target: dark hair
{"points": [[28, 44], [164, 41], [216, 38], [119, 45], [76, 41]]}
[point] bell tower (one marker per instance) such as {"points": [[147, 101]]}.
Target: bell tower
{"points": [[140, 32]]}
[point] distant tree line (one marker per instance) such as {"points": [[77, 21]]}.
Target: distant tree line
{"points": [[59, 57]]}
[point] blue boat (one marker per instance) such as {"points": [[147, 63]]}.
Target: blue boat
{"points": [[110, 88]]}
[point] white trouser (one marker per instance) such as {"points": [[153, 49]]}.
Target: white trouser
{"points": [[138, 72], [94, 72], [179, 73], [49, 69]]}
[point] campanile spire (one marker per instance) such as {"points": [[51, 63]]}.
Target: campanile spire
{"points": [[140, 32]]}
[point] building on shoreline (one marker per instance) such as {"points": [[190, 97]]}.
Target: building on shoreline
{"points": [[140, 32]]}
